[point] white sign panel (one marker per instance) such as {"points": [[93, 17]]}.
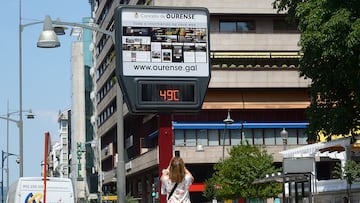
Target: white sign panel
{"points": [[158, 42]]}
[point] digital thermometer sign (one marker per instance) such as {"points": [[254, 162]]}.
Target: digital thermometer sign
{"points": [[162, 57], [167, 93]]}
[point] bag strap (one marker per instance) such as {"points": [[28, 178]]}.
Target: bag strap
{"points": [[172, 191]]}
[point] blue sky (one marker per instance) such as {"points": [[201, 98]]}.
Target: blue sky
{"points": [[46, 76]]}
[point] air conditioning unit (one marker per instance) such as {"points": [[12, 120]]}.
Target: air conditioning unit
{"points": [[128, 166]]}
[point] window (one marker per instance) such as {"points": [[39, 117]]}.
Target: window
{"points": [[236, 137], [269, 137], [190, 138], [64, 141], [225, 137], [302, 136], [202, 137], [63, 126], [258, 136], [213, 138], [253, 136], [237, 26], [179, 137], [281, 25]]}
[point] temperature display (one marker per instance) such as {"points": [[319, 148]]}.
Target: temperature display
{"points": [[170, 94], [167, 92]]}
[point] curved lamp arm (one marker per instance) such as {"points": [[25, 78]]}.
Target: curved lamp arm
{"points": [[10, 119], [89, 27]]}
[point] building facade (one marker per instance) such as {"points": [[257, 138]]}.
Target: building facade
{"points": [[254, 75]]}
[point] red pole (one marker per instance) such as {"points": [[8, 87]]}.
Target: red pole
{"points": [[165, 139], [46, 153]]}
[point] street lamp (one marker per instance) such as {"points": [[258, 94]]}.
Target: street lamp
{"points": [[228, 121], [284, 135], [48, 39], [4, 155], [29, 115]]}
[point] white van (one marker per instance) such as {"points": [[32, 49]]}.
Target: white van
{"points": [[31, 189]]}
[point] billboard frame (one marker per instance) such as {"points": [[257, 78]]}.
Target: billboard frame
{"points": [[159, 45]]}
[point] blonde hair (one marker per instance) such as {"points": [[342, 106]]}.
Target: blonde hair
{"points": [[177, 170]]}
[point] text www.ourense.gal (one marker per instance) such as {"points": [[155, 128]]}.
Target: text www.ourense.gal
{"points": [[187, 68]]}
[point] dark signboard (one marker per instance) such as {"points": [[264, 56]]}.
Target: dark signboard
{"points": [[162, 57]]}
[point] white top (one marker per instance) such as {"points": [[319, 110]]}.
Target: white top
{"points": [[181, 193]]}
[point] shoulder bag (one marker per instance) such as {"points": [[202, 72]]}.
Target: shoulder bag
{"points": [[172, 191]]}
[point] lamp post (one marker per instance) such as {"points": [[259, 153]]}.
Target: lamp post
{"points": [[48, 39], [30, 115], [4, 155], [20, 121], [228, 121], [21, 136], [284, 135]]}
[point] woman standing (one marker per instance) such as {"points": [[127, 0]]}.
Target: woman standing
{"points": [[175, 182]]}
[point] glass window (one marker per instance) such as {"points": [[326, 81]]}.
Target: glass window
{"points": [[292, 138], [227, 26], [202, 137], [179, 137], [258, 136], [302, 136], [235, 137], [269, 137], [190, 139], [245, 26], [247, 136], [213, 137], [237, 26], [225, 135], [63, 125]]}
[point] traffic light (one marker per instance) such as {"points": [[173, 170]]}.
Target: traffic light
{"points": [[153, 193]]}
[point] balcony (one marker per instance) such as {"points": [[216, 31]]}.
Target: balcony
{"points": [[145, 161]]}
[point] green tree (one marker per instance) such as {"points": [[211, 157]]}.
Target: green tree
{"points": [[350, 173], [330, 44], [234, 176]]}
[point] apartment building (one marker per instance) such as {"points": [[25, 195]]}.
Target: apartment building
{"points": [[254, 76]]}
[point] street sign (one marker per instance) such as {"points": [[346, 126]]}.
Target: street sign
{"points": [[162, 57]]}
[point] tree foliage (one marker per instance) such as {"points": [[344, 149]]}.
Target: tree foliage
{"points": [[234, 176], [330, 42], [350, 173]]}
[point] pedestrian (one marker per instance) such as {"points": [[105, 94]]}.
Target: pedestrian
{"points": [[175, 181]]}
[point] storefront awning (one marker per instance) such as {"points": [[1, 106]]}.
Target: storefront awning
{"points": [[312, 149]]}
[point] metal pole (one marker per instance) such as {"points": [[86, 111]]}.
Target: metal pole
{"points": [[21, 157], [4, 155], [120, 169], [2, 176], [223, 143], [99, 169], [7, 146], [228, 120], [284, 179]]}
